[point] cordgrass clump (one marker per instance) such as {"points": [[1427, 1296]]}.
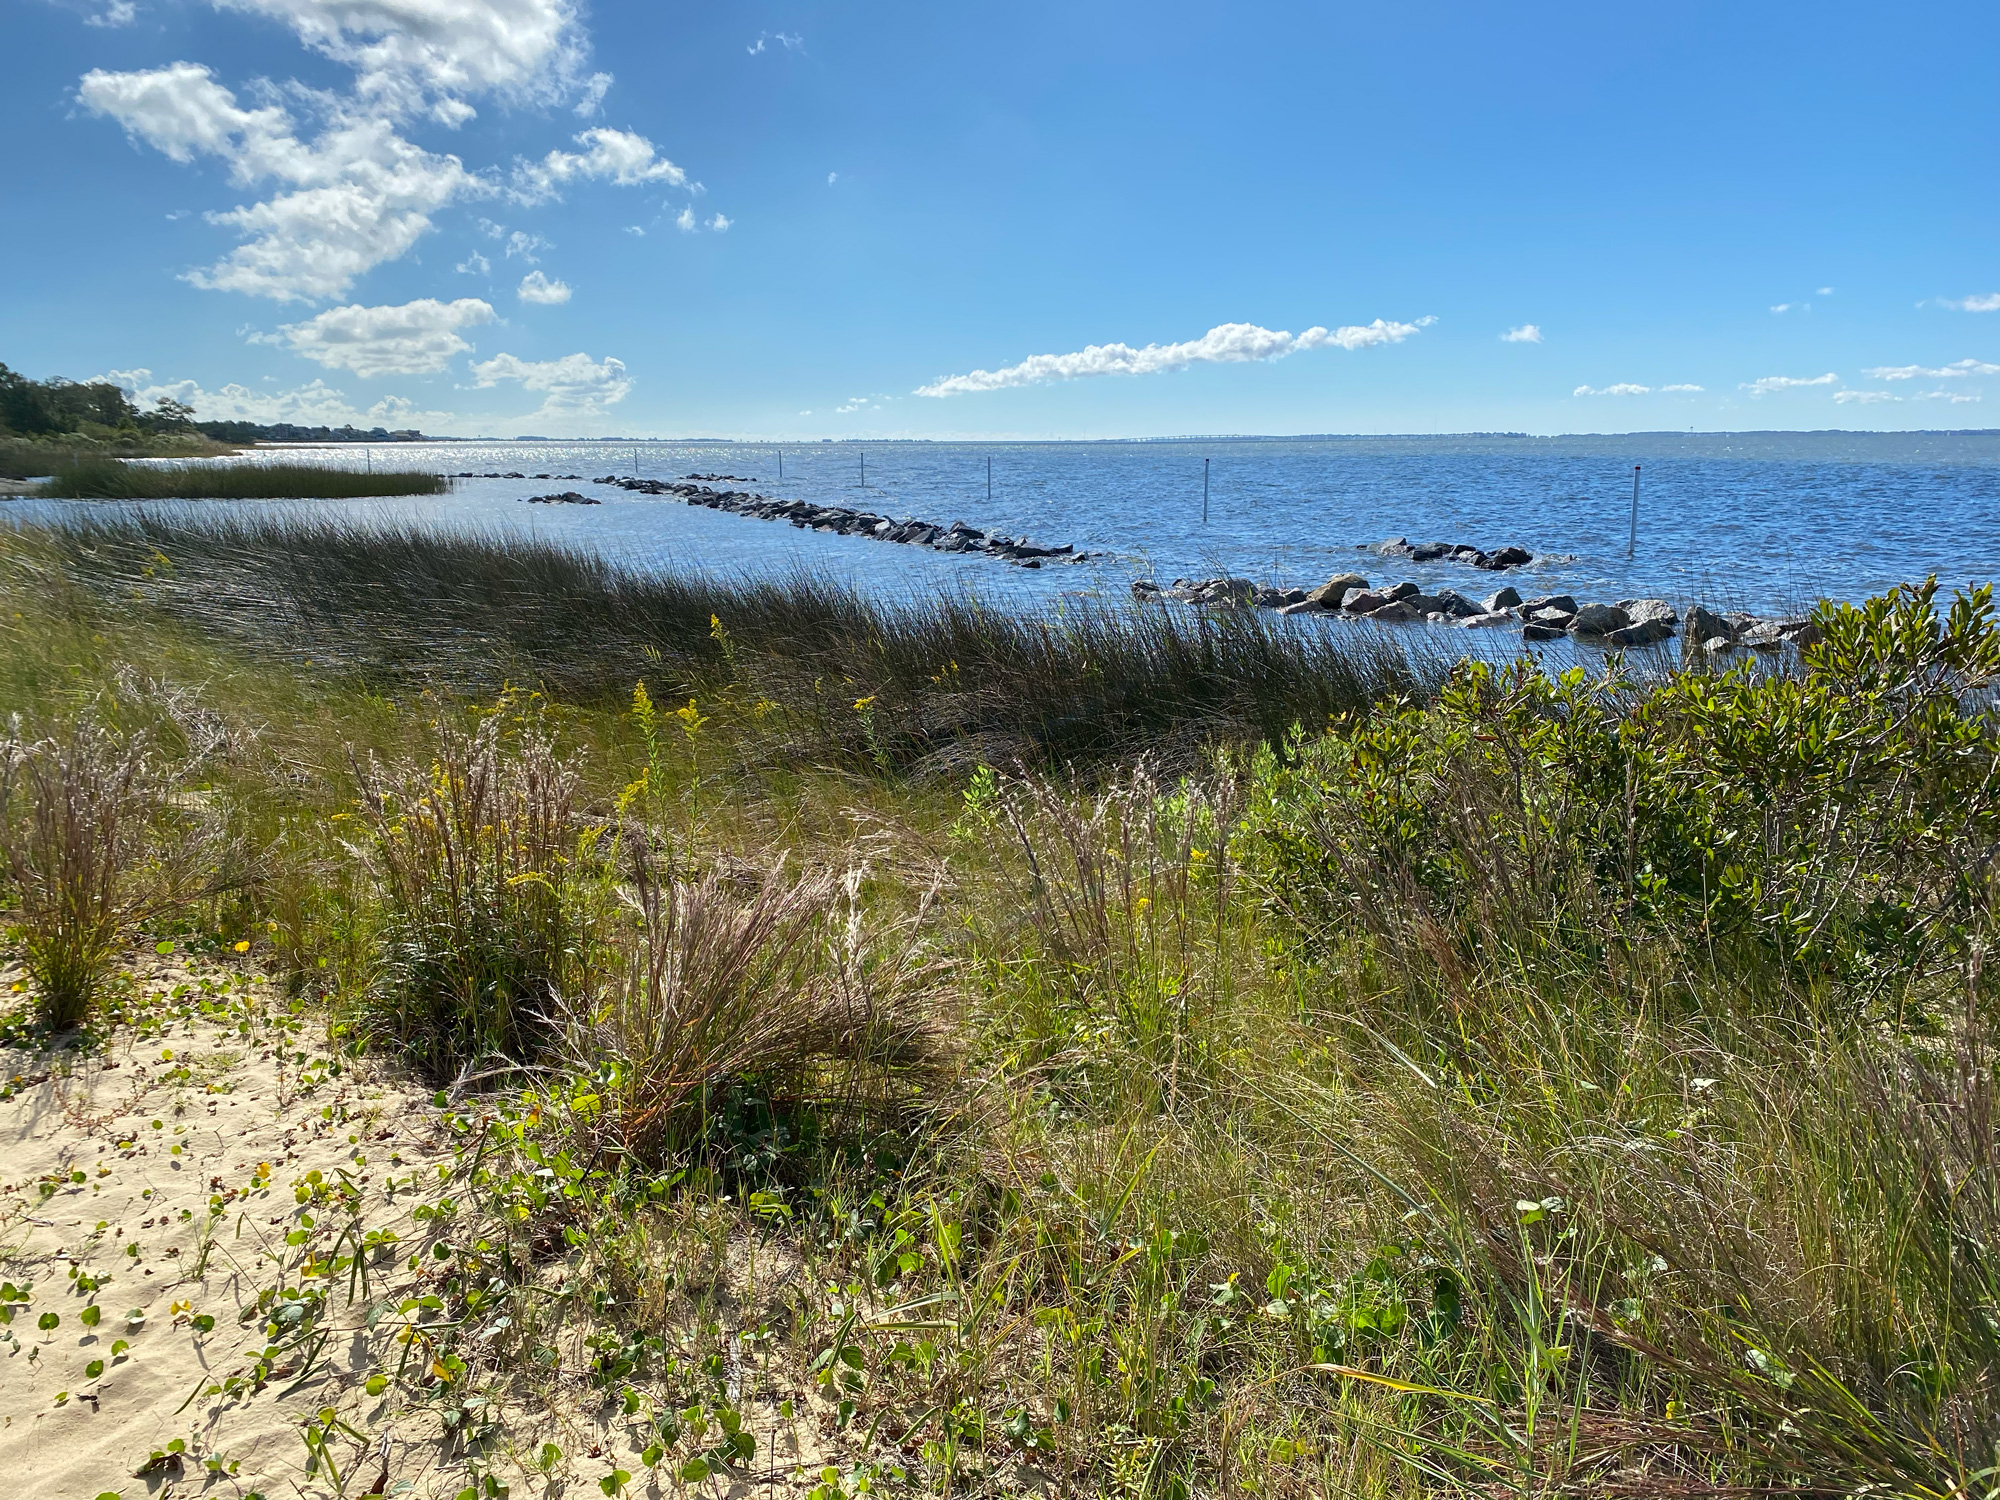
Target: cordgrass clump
{"points": [[484, 875], [741, 1024], [93, 846], [111, 479]]}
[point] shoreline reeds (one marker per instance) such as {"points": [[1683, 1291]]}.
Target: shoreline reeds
{"points": [[927, 685], [114, 479]]}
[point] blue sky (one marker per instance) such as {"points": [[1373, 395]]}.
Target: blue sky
{"points": [[1020, 220]]}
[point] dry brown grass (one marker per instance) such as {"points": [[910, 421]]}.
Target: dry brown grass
{"points": [[779, 1005]]}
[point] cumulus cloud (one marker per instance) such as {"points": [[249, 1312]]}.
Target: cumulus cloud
{"points": [[1958, 369], [428, 55], [1956, 398], [592, 99], [720, 223], [1864, 398], [1978, 302], [346, 189], [832, 178], [1684, 389], [1825, 291], [474, 264], [1785, 307], [684, 221], [1527, 333], [1623, 388], [575, 385], [415, 338], [354, 196], [1772, 383], [315, 404], [1230, 343], [537, 288], [621, 156]]}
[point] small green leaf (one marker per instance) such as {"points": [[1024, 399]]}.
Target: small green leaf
{"points": [[377, 1384], [163, 949], [94, 1369], [47, 1321], [694, 1470], [90, 1315]]}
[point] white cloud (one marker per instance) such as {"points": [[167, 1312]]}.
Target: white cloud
{"points": [[358, 194], [409, 55], [1772, 383], [684, 221], [1623, 388], [514, 242], [474, 264], [1957, 369], [575, 385], [537, 288], [348, 190], [636, 229], [832, 178], [1956, 398], [1230, 343], [1825, 291], [720, 223], [594, 89], [1527, 333], [1864, 398], [1785, 307], [415, 338], [1683, 389], [117, 13], [791, 43], [315, 404], [622, 156], [1979, 302]]}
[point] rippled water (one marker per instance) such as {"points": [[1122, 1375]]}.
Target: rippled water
{"points": [[1761, 521]]}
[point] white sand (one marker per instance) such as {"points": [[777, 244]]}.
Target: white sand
{"points": [[245, 1087]]}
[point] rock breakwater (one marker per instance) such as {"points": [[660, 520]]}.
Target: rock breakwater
{"points": [[1625, 625], [957, 537]]}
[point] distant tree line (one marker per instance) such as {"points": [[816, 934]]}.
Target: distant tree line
{"points": [[56, 406]]}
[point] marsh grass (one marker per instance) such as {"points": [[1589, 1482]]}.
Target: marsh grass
{"points": [[100, 478], [25, 458], [95, 842], [485, 874], [1529, 1087], [929, 687], [744, 1025]]}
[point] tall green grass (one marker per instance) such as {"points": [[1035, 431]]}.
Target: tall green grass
{"points": [[30, 458], [1521, 1086], [111, 479], [931, 686]]}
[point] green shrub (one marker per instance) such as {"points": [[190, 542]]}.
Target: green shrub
{"points": [[1826, 822]]}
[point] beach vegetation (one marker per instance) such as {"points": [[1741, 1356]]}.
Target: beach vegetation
{"points": [[1098, 1050], [115, 479]]}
